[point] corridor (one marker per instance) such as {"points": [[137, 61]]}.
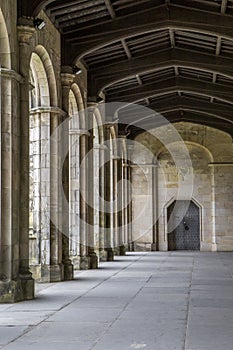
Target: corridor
{"points": [[154, 301]]}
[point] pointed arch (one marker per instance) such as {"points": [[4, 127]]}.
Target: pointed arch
{"points": [[5, 57], [76, 99], [46, 65]]}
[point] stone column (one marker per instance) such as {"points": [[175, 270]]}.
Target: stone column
{"points": [[78, 192], [24, 35], [129, 176], [222, 205], [117, 197], [121, 195], [9, 238], [214, 241], [109, 198], [16, 281], [84, 214], [102, 214], [47, 265], [93, 235], [96, 198], [66, 81], [125, 203], [155, 242], [74, 192], [115, 217]]}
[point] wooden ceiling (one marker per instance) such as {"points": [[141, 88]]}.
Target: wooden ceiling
{"points": [[172, 56]]}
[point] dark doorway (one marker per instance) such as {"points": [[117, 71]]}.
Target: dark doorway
{"points": [[184, 221]]}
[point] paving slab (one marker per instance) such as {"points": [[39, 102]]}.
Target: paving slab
{"points": [[10, 333], [153, 301]]}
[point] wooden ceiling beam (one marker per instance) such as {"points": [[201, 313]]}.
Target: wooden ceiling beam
{"points": [[158, 18], [101, 78], [109, 6], [72, 17], [72, 6], [135, 94], [226, 112], [223, 6], [182, 102], [137, 126]]}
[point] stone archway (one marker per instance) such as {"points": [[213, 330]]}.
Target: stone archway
{"points": [[5, 57]]}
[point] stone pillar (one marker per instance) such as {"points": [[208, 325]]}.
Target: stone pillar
{"points": [[46, 244], [93, 235], [74, 156], [16, 281], [102, 213], [122, 195], [117, 197], [155, 241], [129, 176], [84, 219], [125, 203], [115, 217], [222, 238], [97, 188], [214, 241], [109, 198], [24, 35], [79, 216], [66, 81], [123, 168]]}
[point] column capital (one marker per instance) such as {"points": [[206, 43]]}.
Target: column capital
{"points": [[101, 147], [25, 33], [67, 79], [141, 165], [115, 157], [48, 109], [95, 99], [122, 136], [80, 132], [11, 74], [92, 104], [110, 125]]}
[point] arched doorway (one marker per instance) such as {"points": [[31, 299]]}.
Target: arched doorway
{"points": [[183, 226]]}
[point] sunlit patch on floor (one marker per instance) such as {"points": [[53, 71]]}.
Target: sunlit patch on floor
{"points": [[137, 346]]}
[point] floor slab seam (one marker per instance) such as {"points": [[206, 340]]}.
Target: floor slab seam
{"points": [[188, 309], [118, 316], [30, 328]]}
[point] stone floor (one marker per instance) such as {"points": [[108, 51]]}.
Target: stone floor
{"points": [[155, 301]]}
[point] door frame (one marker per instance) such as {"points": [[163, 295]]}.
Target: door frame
{"points": [[201, 216]]}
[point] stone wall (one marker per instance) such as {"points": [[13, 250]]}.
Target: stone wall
{"points": [[160, 178]]}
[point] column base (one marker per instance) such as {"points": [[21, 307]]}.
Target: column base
{"points": [[153, 247], [93, 260], [122, 250], [75, 262], [53, 273], [116, 251], [17, 290], [84, 262], [110, 254], [48, 273], [68, 270], [103, 255], [214, 247], [27, 284], [131, 247]]}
